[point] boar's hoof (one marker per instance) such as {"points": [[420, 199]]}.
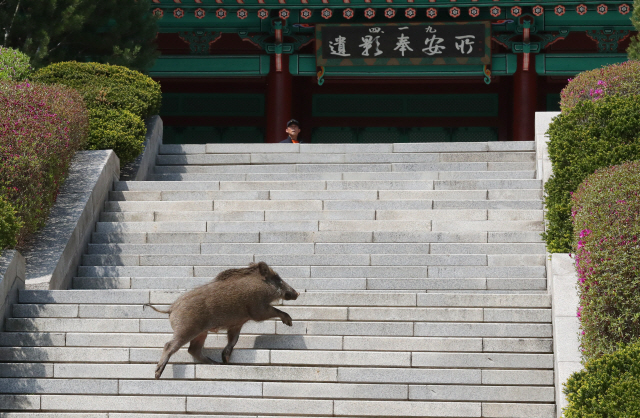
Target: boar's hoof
{"points": [[286, 319]]}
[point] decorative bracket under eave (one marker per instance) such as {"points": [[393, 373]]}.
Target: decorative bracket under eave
{"points": [[547, 39], [260, 40], [199, 41], [608, 39]]}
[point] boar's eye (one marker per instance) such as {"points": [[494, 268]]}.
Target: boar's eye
{"points": [[276, 280]]}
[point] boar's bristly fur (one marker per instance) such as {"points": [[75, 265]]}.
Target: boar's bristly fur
{"points": [[234, 297]]}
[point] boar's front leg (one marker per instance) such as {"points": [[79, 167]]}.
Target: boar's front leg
{"points": [[267, 312], [232, 339]]}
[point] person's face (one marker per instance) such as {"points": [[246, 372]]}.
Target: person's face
{"points": [[293, 130]]}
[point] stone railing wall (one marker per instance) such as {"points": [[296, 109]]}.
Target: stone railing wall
{"points": [[562, 280], [58, 247], [12, 277]]}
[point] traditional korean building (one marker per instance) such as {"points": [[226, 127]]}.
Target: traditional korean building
{"points": [[375, 70]]}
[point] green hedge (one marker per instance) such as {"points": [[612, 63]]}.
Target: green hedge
{"points": [[41, 128], [606, 218], [590, 136], [118, 95], [9, 224], [14, 65], [116, 129], [608, 387], [106, 85], [617, 79]]}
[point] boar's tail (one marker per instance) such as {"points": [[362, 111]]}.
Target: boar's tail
{"points": [[156, 309]]}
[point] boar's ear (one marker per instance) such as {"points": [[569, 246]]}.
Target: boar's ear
{"points": [[264, 269]]}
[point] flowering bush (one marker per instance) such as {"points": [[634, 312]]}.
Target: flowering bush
{"points": [[106, 85], [116, 129], [590, 136], [606, 217], [41, 128], [622, 79], [608, 387], [14, 65], [9, 225]]}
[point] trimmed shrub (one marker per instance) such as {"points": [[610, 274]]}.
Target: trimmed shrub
{"points": [[116, 129], [106, 85], [617, 79], [606, 218], [14, 65], [41, 128], [608, 387], [122, 97], [592, 135], [9, 224]]}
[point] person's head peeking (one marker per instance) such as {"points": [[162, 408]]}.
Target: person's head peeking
{"points": [[293, 129]]}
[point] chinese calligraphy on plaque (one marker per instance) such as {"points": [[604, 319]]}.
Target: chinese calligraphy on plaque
{"points": [[359, 43]]}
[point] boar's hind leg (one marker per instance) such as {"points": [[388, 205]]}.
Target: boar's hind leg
{"points": [[232, 338], [169, 348], [195, 348]]}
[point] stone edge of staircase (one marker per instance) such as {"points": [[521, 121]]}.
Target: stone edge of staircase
{"points": [[561, 283], [57, 249], [12, 277], [142, 166]]}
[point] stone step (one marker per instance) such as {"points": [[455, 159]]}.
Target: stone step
{"points": [[199, 205], [311, 248], [485, 184], [293, 215], [179, 406], [322, 284], [293, 185], [305, 205], [491, 194], [280, 390], [336, 299], [429, 147], [439, 328], [253, 157], [299, 313], [434, 225], [181, 195], [291, 374], [388, 171], [172, 196], [358, 181], [318, 236], [466, 214], [277, 168], [305, 358], [322, 225], [138, 186], [178, 173], [463, 166], [222, 216], [487, 204], [352, 259], [319, 271]]}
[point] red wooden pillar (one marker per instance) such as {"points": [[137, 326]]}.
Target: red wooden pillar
{"points": [[279, 96], [524, 99]]}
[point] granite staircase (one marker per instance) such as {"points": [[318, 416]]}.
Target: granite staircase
{"points": [[420, 267]]}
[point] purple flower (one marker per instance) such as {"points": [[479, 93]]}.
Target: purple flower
{"points": [[584, 233]]}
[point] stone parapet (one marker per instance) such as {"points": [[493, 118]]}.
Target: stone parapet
{"points": [[58, 247], [12, 277]]}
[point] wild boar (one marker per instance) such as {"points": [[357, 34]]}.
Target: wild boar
{"points": [[234, 297]]}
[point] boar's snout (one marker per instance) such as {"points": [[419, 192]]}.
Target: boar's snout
{"points": [[291, 295]]}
